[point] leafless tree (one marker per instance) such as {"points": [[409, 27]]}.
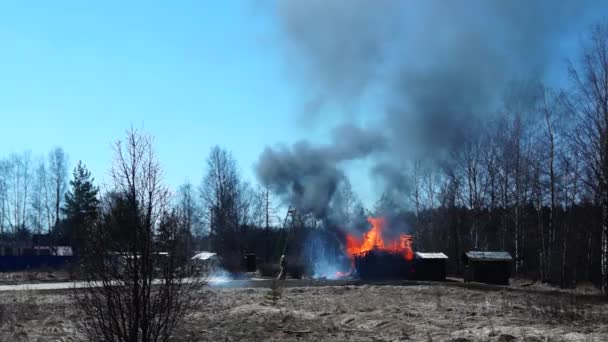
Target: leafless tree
{"points": [[416, 178], [38, 200], [258, 206], [137, 289], [246, 197], [189, 210], [4, 207], [431, 185], [590, 104], [18, 184], [223, 204], [42, 175], [551, 111], [58, 171], [264, 215], [471, 160], [345, 204]]}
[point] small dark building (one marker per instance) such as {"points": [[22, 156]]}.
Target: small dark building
{"points": [[378, 265], [430, 266], [487, 267], [250, 262]]}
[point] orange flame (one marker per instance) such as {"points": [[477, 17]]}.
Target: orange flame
{"points": [[373, 240]]}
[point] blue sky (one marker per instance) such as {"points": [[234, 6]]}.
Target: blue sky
{"points": [[194, 75]]}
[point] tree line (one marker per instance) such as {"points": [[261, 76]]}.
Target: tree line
{"points": [[534, 182], [31, 193]]}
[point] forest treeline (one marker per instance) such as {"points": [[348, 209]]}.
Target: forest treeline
{"points": [[533, 182]]}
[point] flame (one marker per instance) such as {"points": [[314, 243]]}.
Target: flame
{"points": [[373, 240]]}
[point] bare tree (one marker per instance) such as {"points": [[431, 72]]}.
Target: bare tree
{"points": [[590, 104], [4, 211], [58, 173], [246, 198], [265, 211], [416, 175], [135, 293], [221, 192], [345, 204], [264, 215], [189, 210], [18, 184], [551, 111], [37, 201], [43, 175], [473, 175], [430, 184]]}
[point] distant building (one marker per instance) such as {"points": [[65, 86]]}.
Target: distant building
{"points": [[487, 267], [53, 250], [430, 266], [43, 244], [207, 262]]}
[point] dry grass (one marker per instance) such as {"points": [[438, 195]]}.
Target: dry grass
{"points": [[439, 312], [33, 316]]}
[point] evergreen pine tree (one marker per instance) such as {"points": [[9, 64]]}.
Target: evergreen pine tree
{"points": [[81, 206]]}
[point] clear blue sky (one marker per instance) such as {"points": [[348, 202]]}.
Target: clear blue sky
{"points": [[194, 74]]}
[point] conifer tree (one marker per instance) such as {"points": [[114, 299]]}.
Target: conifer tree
{"points": [[81, 205]]}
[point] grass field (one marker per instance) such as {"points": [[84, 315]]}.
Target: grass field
{"points": [[345, 311]]}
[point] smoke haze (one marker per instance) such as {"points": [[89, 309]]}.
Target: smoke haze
{"points": [[307, 176], [436, 70]]}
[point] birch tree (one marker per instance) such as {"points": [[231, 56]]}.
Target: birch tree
{"points": [[590, 105], [58, 173]]}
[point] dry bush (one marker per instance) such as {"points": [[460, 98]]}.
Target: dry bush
{"points": [[28, 306], [562, 308], [274, 294], [139, 283]]}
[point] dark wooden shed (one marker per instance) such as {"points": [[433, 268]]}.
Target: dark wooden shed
{"points": [[430, 266], [377, 264], [487, 267]]}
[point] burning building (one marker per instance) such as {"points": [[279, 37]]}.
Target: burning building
{"points": [[375, 256]]}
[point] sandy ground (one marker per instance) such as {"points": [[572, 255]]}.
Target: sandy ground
{"points": [[329, 311]]}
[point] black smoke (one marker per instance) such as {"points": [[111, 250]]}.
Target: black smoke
{"points": [[437, 70], [306, 176]]}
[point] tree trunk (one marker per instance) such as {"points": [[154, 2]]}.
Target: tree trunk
{"points": [[564, 255], [604, 245]]}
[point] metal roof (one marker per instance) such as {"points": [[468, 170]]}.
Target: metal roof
{"points": [[489, 256], [420, 255], [203, 256]]}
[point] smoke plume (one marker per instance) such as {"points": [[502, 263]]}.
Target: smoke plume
{"points": [[307, 176], [435, 70]]}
